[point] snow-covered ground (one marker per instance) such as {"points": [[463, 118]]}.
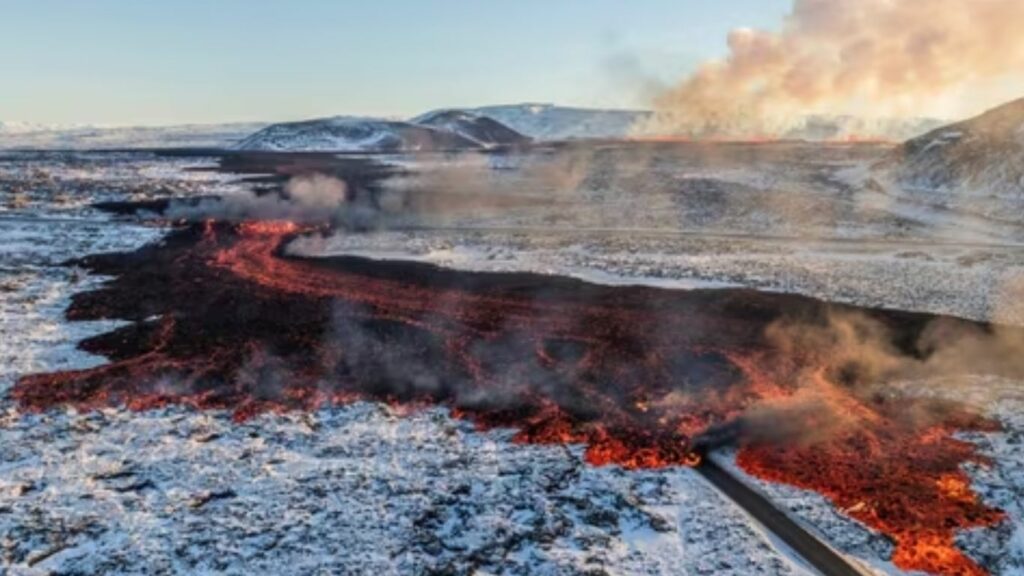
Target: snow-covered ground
{"points": [[785, 219], [974, 282], [975, 166], [791, 222], [362, 488], [356, 489]]}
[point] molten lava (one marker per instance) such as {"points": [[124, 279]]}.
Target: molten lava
{"points": [[223, 320]]}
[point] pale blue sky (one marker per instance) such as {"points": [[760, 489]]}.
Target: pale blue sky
{"points": [[139, 61]]}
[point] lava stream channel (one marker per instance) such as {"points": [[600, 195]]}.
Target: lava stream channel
{"points": [[221, 319]]}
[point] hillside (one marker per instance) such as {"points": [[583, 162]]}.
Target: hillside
{"points": [[481, 129], [353, 134], [977, 165]]}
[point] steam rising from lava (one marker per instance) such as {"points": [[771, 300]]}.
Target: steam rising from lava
{"points": [[310, 199], [634, 374], [872, 58], [855, 355]]}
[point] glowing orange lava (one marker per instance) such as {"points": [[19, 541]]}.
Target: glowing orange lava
{"points": [[634, 374]]}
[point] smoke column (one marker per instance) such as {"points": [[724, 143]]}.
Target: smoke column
{"points": [[874, 58]]}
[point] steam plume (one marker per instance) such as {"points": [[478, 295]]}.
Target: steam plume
{"points": [[310, 199], [867, 57], [854, 356]]}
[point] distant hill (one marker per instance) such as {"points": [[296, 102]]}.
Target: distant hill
{"points": [[438, 131], [832, 128], [479, 128], [38, 136], [550, 122], [445, 129], [976, 164]]}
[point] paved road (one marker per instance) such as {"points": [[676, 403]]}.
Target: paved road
{"points": [[826, 560]]}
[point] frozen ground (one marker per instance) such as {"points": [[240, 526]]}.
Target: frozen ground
{"points": [[793, 218], [792, 221], [975, 282], [350, 490], [361, 488], [353, 490]]}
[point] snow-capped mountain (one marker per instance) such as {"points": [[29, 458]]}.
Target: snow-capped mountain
{"points": [[479, 128], [80, 137], [354, 134]]}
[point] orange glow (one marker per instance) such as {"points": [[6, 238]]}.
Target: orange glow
{"points": [[633, 375]]}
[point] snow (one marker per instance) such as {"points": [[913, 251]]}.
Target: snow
{"points": [[793, 220], [483, 130], [973, 166], [550, 122], [364, 488], [355, 489], [353, 134]]}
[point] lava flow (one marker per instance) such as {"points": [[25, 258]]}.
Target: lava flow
{"points": [[222, 319]]}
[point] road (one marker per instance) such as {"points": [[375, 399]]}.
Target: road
{"points": [[820, 556]]}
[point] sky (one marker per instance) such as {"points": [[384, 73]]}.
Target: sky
{"points": [[124, 62]]}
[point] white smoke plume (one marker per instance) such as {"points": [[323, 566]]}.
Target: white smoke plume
{"points": [[872, 58]]}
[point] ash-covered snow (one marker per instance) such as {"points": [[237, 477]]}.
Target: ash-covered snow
{"points": [[970, 282], [66, 184]]}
